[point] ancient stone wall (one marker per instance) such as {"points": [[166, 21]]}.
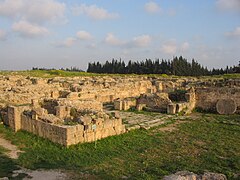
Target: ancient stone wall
{"points": [[207, 98], [61, 95], [69, 135], [54, 133], [14, 116]]}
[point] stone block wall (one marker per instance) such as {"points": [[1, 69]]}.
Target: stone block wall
{"points": [[81, 104], [125, 104], [14, 116], [70, 135], [52, 132], [207, 98]]}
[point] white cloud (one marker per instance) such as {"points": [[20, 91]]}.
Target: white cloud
{"points": [[3, 34], [136, 42], [111, 39], [84, 35], [185, 46], [152, 7], [94, 12], [169, 47], [142, 41], [68, 42], [231, 5], [234, 33], [37, 11], [172, 47], [27, 29]]}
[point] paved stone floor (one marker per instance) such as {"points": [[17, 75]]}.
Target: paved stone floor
{"points": [[134, 120]]}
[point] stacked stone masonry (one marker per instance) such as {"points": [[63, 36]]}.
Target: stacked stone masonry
{"points": [[48, 106]]}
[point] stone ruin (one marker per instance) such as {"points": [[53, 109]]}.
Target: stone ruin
{"points": [[186, 175], [159, 102], [71, 110]]}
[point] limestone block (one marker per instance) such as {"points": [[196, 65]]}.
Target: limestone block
{"points": [[38, 81], [116, 114], [34, 115], [89, 136], [63, 94], [55, 94], [75, 88], [180, 107], [171, 109], [14, 117], [118, 129], [213, 176], [226, 106], [159, 86], [73, 95], [62, 111], [189, 97], [125, 105], [108, 123], [118, 105], [50, 118], [155, 101], [168, 86], [140, 107], [39, 111], [106, 132], [86, 120], [150, 90], [35, 102], [98, 122], [117, 122], [66, 84], [98, 134]]}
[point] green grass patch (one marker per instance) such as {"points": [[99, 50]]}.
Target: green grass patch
{"points": [[61, 73], [206, 144], [7, 166]]}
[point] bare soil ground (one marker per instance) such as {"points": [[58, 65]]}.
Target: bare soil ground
{"points": [[12, 150]]}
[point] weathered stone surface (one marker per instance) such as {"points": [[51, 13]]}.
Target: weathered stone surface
{"points": [[207, 97], [213, 176], [226, 106], [155, 101], [171, 108], [186, 175], [182, 175], [55, 97]]}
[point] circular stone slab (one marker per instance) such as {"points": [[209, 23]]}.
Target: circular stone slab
{"points": [[226, 106]]}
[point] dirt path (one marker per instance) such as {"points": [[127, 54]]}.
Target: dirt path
{"points": [[13, 153], [12, 150]]}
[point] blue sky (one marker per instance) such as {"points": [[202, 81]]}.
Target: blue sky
{"points": [[59, 33]]}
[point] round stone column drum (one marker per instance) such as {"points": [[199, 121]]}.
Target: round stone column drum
{"points": [[226, 106]]}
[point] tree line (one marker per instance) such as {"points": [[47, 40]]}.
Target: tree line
{"points": [[71, 69], [178, 66]]}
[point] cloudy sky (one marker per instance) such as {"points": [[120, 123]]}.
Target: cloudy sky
{"points": [[61, 33]]}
